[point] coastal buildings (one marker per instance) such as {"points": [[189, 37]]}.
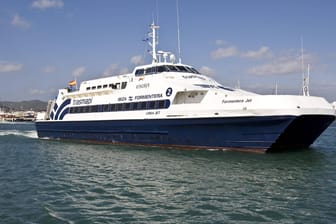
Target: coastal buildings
{"points": [[17, 115]]}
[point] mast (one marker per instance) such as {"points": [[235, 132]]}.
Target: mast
{"points": [[305, 78], [305, 88], [154, 42], [302, 69], [178, 31]]}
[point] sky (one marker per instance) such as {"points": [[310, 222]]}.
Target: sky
{"points": [[255, 45]]}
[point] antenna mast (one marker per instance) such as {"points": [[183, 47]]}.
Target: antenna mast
{"points": [[305, 78], [154, 42], [178, 31]]}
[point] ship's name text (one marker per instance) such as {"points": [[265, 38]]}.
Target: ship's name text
{"points": [[149, 96], [82, 101], [237, 101], [141, 97], [141, 86]]}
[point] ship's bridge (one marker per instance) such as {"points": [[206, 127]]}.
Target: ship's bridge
{"points": [[157, 68]]}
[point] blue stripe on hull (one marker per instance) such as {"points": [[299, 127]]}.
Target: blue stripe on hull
{"points": [[243, 132]]}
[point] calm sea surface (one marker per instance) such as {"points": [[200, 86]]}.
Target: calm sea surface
{"points": [[43, 181]]}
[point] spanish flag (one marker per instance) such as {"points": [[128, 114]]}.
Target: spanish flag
{"points": [[72, 83]]}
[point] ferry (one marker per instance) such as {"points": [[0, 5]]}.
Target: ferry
{"points": [[170, 104]]}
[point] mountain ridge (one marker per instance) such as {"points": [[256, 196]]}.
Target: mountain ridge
{"points": [[34, 105]]}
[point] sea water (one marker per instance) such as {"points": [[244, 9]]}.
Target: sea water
{"points": [[47, 181]]}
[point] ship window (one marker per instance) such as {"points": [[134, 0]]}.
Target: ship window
{"points": [[135, 106], [172, 68], [150, 70], [143, 105], [119, 107], [100, 108], [88, 88], [151, 104], [154, 104], [93, 87], [105, 86], [139, 72], [99, 87], [123, 85], [94, 108], [106, 108], [162, 68], [182, 68], [127, 106], [194, 70], [161, 104]]}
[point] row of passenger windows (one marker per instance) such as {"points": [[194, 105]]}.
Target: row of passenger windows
{"points": [[145, 105], [111, 85], [165, 68]]}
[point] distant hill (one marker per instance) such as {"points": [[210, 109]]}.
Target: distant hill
{"points": [[35, 105]]}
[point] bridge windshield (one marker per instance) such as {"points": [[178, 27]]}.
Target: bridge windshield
{"points": [[165, 68]]}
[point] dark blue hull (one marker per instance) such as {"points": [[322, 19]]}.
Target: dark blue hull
{"points": [[243, 133]]}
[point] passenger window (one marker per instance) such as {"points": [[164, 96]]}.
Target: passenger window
{"points": [[143, 106], [127, 106], [106, 108], [119, 107], [139, 72], [151, 104], [123, 85]]}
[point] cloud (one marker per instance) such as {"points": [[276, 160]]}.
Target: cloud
{"points": [[36, 92], [44, 4], [220, 42], [114, 69], [78, 71], [275, 68], [261, 53], [221, 52], [18, 21], [283, 65], [48, 69], [137, 60], [10, 67], [207, 71], [232, 51]]}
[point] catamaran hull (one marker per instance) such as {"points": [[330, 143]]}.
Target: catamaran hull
{"points": [[260, 133]]}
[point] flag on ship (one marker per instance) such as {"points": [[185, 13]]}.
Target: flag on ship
{"points": [[72, 83]]}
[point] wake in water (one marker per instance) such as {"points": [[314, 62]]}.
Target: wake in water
{"points": [[27, 134], [23, 129]]}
